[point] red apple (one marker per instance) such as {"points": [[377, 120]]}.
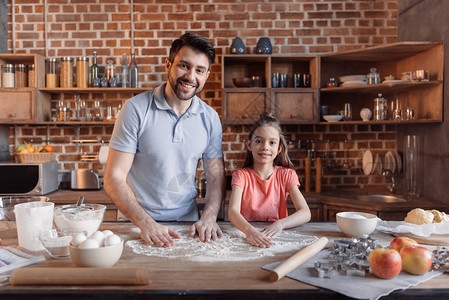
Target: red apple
{"points": [[401, 241], [385, 263], [416, 260]]}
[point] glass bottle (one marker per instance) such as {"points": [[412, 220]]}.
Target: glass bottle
{"points": [[31, 76], [124, 72], [94, 70], [133, 72], [110, 72], [412, 166], [380, 108]]}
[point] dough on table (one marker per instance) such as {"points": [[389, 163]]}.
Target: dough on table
{"points": [[439, 216], [419, 216]]}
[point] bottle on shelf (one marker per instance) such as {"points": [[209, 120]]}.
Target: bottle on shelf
{"points": [[124, 72], [110, 74], [133, 72], [94, 70]]}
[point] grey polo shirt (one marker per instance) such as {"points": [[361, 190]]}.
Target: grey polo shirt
{"points": [[167, 150]]}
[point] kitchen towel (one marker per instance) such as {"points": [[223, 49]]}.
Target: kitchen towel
{"points": [[367, 287]]}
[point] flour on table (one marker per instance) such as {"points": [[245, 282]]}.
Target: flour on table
{"points": [[231, 247]]}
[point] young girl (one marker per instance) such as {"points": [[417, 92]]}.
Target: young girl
{"points": [[259, 190]]}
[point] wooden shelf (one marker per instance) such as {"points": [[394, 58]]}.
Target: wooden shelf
{"points": [[93, 90], [393, 87], [386, 122]]}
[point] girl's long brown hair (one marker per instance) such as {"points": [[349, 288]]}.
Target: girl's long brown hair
{"points": [[282, 158]]}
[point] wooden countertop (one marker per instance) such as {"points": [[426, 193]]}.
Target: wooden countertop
{"points": [[171, 278]]}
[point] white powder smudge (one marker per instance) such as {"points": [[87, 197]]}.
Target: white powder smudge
{"points": [[231, 247]]}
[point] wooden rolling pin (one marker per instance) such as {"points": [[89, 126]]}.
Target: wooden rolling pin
{"points": [[307, 173], [297, 259], [80, 276]]}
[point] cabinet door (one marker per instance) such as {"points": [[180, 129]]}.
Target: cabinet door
{"points": [[243, 106], [17, 105], [295, 106]]}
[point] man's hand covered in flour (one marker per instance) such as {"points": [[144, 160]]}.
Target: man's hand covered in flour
{"points": [[159, 235], [207, 229]]}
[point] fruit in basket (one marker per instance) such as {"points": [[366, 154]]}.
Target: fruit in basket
{"points": [[48, 148], [416, 260], [20, 148], [385, 263], [399, 242]]}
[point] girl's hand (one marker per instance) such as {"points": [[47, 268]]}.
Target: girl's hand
{"points": [[273, 229], [258, 239]]}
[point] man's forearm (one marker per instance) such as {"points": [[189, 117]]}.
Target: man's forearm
{"points": [[216, 189], [125, 201]]}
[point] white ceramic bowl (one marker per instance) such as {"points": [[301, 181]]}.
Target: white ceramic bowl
{"points": [[356, 224], [72, 218], [102, 257], [333, 118]]}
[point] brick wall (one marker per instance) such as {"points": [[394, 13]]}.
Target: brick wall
{"points": [[79, 27]]}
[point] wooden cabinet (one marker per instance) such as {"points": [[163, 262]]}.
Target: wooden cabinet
{"points": [[424, 97], [25, 104], [290, 105]]}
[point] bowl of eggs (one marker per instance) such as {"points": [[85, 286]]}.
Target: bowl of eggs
{"points": [[102, 249]]}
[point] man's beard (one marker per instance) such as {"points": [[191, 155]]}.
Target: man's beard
{"points": [[174, 84]]}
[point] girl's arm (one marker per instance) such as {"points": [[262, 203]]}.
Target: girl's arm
{"points": [[301, 216], [253, 236]]}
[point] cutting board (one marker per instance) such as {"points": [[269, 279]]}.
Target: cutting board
{"points": [[433, 239]]}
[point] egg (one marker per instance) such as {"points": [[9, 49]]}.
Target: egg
{"points": [[113, 239], [78, 239], [89, 244], [107, 233], [99, 237]]}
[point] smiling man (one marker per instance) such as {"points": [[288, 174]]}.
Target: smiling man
{"points": [[157, 142]]}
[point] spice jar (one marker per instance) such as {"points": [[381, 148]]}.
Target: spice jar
{"points": [[332, 82], [8, 75], [31, 76], [82, 72], [21, 75], [373, 76], [66, 72], [62, 112], [52, 72]]}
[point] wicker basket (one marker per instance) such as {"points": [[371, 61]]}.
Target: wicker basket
{"points": [[25, 158]]}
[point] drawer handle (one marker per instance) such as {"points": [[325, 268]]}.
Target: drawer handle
{"points": [[244, 116], [293, 116]]}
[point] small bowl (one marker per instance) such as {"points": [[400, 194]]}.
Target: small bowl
{"points": [[72, 218], [102, 257], [356, 224], [57, 242], [242, 82], [333, 118]]}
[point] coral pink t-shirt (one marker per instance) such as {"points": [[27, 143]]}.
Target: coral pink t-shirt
{"points": [[265, 200]]}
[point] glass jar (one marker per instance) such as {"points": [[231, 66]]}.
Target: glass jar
{"points": [[332, 82], [31, 76], [52, 72], [62, 112], [66, 72], [8, 76], [21, 76], [82, 72], [380, 108], [373, 77], [110, 72]]}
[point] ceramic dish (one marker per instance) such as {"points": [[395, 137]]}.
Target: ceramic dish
{"points": [[353, 78], [353, 83], [367, 162], [333, 118], [390, 162], [392, 81], [377, 165]]}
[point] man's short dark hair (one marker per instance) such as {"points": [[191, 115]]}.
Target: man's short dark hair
{"points": [[197, 42]]}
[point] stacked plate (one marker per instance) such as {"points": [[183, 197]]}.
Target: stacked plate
{"points": [[352, 80]]}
